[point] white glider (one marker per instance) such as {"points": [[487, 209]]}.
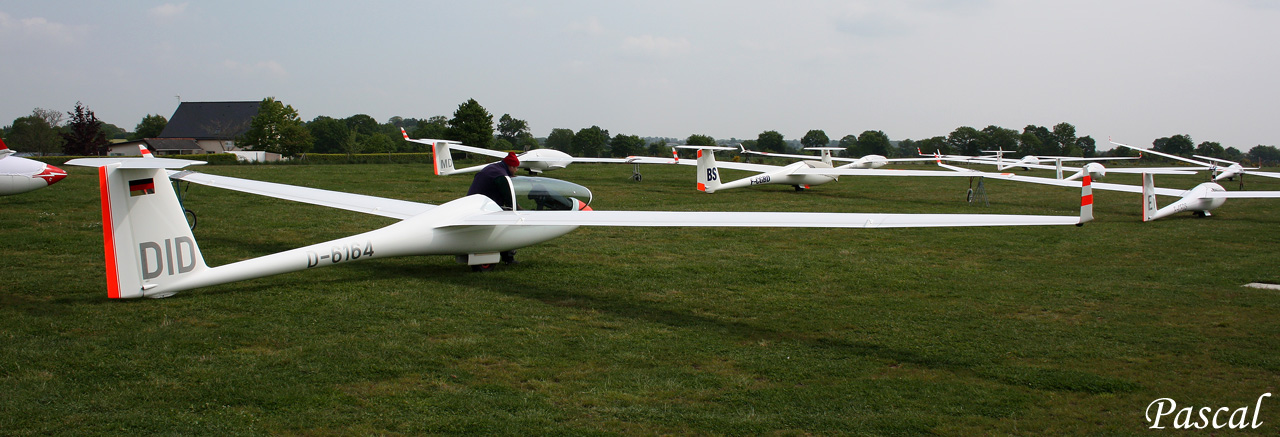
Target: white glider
{"points": [[151, 252], [534, 161], [801, 174], [1199, 200], [868, 161], [19, 175], [1093, 168], [1230, 172]]}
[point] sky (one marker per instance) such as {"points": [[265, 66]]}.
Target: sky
{"points": [[1129, 70]]}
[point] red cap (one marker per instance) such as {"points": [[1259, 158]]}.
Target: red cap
{"points": [[511, 159]]}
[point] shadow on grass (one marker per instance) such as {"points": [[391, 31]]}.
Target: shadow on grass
{"points": [[1009, 374]]}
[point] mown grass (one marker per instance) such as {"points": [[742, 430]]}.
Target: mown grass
{"points": [[1044, 330]]}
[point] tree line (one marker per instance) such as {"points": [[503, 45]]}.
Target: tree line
{"points": [[278, 128]]}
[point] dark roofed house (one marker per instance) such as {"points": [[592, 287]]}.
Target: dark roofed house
{"points": [[158, 146], [214, 126]]}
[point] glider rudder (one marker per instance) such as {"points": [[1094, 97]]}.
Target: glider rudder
{"points": [[146, 240], [708, 174]]}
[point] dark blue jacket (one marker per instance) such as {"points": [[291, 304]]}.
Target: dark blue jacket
{"points": [[491, 181]]}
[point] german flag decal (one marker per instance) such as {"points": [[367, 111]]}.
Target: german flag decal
{"points": [[141, 187]]}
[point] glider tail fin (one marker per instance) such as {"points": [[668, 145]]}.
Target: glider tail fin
{"points": [[1149, 205], [708, 173], [1086, 200], [145, 233], [443, 158]]}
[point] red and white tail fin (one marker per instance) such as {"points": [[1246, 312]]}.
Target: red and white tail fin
{"points": [[708, 173], [441, 156], [1086, 200], [4, 150], [145, 236]]}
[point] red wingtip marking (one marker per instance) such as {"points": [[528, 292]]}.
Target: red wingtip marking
{"points": [[406, 134], [1088, 180], [108, 236], [1086, 200]]}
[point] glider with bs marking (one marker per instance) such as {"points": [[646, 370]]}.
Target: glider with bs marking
{"points": [[800, 174], [150, 251]]}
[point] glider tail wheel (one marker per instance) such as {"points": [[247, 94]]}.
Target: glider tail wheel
{"points": [[484, 267]]}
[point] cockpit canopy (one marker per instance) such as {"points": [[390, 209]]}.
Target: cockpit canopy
{"points": [[533, 193]]}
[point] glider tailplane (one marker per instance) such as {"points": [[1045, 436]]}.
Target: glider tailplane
{"points": [[443, 158], [708, 173], [145, 233]]}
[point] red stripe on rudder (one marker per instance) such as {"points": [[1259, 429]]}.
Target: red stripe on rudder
{"points": [[108, 236], [702, 186]]}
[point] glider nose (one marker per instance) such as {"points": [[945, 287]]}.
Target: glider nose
{"points": [[52, 174]]}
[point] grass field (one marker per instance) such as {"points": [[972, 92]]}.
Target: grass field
{"points": [[1029, 330]]}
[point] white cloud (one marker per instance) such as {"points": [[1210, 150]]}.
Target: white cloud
{"points": [[657, 46], [168, 11], [38, 28]]}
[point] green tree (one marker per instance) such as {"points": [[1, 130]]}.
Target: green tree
{"points": [[907, 148], [771, 141], [1264, 155], [850, 144], [1211, 149], [998, 138], [560, 139], [1064, 140], [84, 135], [934, 145], [512, 129], [362, 124], [472, 125], [527, 142], [1180, 145], [150, 127], [625, 145], [331, 135], [700, 140], [1231, 154], [1036, 140], [34, 134], [815, 138], [1087, 146], [590, 142], [658, 148], [276, 129], [434, 128], [966, 140], [873, 142]]}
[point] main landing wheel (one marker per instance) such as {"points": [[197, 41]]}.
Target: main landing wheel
{"points": [[636, 177], [484, 267]]}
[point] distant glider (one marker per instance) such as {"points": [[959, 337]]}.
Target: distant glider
{"points": [[19, 175]]}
